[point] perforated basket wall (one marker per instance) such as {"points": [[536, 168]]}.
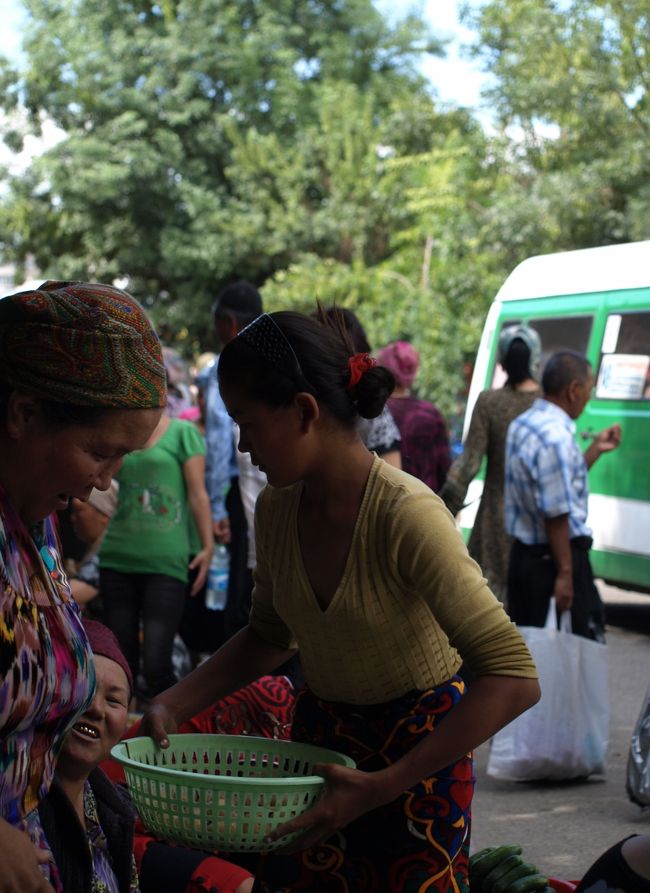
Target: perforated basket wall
{"points": [[222, 792]]}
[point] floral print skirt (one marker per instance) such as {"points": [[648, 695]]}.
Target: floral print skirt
{"points": [[419, 843]]}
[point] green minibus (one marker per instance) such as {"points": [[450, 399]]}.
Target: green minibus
{"points": [[595, 301]]}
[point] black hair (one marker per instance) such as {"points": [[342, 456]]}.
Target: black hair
{"points": [[322, 348], [352, 324], [561, 369], [240, 299], [517, 362]]}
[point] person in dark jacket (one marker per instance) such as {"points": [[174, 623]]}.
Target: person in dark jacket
{"points": [[89, 821]]}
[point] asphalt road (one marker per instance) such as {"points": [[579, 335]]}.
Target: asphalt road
{"points": [[564, 827]]}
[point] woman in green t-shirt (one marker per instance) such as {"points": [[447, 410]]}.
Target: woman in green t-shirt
{"points": [[144, 559]]}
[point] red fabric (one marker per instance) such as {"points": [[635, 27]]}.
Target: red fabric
{"points": [[358, 366], [103, 641], [212, 874], [263, 708]]}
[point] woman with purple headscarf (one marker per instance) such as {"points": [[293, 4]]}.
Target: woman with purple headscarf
{"points": [[425, 441]]}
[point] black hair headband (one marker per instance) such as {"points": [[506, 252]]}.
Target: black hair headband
{"points": [[266, 337]]}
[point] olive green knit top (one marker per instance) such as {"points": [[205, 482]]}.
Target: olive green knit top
{"points": [[410, 607]]}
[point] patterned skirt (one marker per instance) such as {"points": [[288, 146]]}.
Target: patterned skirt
{"points": [[417, 844]]}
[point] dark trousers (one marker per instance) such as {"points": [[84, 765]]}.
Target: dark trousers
{"points": [[531, 578], [206, 630], [240, 580], [158, 601]]}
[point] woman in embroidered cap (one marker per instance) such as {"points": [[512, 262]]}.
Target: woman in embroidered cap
{"points": [[82, 383], [360, 567]]}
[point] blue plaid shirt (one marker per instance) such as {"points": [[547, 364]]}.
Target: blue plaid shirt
{"points": [[220, 459], [546, 474]]}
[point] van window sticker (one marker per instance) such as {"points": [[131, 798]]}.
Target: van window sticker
{"points": [[623, 376]]}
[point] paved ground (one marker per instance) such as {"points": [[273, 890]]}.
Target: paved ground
{"points": [[564, 827]]}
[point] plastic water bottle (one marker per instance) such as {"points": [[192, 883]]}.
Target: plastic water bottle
{"points": [[216, 593]]}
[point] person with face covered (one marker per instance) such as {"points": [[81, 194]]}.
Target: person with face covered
{"points": [[82, 383]]}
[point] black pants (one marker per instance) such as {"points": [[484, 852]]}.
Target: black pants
{"points": [[158, 601], [206, 630], [240, 580], [531, 578]]}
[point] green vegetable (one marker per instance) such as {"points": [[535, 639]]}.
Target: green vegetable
{"points": [[514, 873], [483, 866], [475, 856], [499, 870], [530, 884]]}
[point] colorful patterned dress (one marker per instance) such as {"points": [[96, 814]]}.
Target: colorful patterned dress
{"points": [[47, 676]]}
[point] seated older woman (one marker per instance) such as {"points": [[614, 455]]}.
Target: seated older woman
{"points": [[89, 821]]}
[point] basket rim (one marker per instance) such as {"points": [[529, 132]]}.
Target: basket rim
{"points": [[119, 752]]}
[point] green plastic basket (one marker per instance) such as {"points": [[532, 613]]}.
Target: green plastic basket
{"points": [[222, 792]]}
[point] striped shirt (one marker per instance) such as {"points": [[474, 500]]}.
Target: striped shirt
{"points": [[546, 474]]}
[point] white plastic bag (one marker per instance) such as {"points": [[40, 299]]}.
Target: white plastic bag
{"points": [[565, 734]]}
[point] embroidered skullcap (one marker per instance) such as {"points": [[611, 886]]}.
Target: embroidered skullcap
{"points": [[81, 343], [105, 501], [104, 643], [402, 359]]}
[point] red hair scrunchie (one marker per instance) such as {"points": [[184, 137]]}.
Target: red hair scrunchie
{"points": [[358, 366]]}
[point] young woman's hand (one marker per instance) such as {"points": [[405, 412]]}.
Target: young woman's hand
{"points": [[200, 562], [349, 794], [158, 722], [20, 860]]}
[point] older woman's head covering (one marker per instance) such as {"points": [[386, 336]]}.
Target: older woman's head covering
{"points": [[402, 359], [81, 343], [104, 642]]}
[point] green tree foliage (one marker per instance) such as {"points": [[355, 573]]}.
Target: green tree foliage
{"points": [[205, 139], [294, 143], [570, 82], [291, 143]]}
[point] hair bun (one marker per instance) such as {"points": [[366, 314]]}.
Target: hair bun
{"points": [[372, 391]]}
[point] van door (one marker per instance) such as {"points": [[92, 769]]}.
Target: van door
{"points": [[619, 485]]}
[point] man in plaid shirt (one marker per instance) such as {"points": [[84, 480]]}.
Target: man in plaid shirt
{"points": [[546, 497]]}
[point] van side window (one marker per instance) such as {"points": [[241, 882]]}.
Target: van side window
{"points": [[563, 333], [624, 372], [557, 333]]}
